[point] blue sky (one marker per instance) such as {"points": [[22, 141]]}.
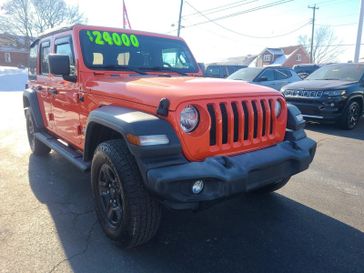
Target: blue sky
{"points": [[210, 42]]}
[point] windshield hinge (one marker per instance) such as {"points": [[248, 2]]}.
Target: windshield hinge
{"points": [[163, 107]]}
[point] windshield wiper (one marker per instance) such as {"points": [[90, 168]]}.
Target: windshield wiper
{"points": [[163, 69], [121, 68]]}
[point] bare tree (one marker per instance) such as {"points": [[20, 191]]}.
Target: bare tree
{"points": [[29, 18], [17, 19], [51, 13], [325, 45]]}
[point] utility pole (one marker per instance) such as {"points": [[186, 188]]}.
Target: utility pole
{"points": [[358, 36], [314, 8], [179, 18]]}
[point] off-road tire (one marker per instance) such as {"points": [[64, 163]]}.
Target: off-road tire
{"points": [[138, 211], [351, 116], [272, 187], [37, 147]]}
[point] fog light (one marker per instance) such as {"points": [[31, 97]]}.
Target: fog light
{"points": [[332, 104], [197, 187]]}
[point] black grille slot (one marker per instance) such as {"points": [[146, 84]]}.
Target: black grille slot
{"points": [[211, 111], [270, 103], [246, 120], [236, 121], [264, 117], [255, 133], [224, 117]]}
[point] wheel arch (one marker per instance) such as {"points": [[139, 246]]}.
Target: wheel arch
{"points": [[358, 98], [112, 122], [30, 100]]}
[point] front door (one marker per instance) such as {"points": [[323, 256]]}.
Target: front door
{"points": [[65, 103]]}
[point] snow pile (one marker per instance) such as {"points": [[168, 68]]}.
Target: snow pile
{"points": [[12, 78]]}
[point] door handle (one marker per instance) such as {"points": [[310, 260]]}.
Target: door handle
{"points": [[52, 91]]}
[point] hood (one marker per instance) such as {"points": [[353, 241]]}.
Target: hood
{"points": [[319, 84], [149, 90]]}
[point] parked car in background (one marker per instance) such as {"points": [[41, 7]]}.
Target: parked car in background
{"points": [[303, 70], [274, 77], [332, 93], [221, 71]]}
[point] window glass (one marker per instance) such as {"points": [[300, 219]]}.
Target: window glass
{"points": [[269, 74], [44, 52], [343, 72], [298, 57], [266, 57], [213, 71], [66, 49], [32, 71], [283, 74], [109, 50]]}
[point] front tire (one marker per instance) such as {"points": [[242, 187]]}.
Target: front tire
{"points": [[126, 211], [37, 147], [351, 116]]}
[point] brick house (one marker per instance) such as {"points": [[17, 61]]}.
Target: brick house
{"points": [[284, 56], [13, 51]]}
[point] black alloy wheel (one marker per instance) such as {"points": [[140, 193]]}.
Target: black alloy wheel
{"points": [[109, 192]]}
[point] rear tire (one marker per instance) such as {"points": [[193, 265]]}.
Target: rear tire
{"points": [[126, 211], [37, 147], [351, 116], [273, 187]]}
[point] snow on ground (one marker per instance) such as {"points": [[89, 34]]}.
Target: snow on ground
{"points": [[12, 78]]}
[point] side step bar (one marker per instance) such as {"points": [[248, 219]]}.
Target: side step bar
{"points": [[71, 155]]}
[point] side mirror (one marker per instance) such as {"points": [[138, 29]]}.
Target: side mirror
{"points": [[60, 65], [262, 79]]}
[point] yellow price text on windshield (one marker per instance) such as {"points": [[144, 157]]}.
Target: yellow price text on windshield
{"points": [[112, 38]]}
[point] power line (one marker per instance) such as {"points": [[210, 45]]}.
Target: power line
{"points": [[242, 34], [269, 5], [222, 8]]}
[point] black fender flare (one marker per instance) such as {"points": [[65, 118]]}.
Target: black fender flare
{"points": [[30, 99], [356, 95], [129, 121]]}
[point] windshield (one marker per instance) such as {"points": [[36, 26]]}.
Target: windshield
{"points": [[106, 50], [245, 74], [343, 72]]}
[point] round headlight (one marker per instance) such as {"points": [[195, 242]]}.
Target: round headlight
{"points": [[277, 108], [189, 118]]}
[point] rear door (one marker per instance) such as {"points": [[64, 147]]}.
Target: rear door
{"points": [[65, 102]]}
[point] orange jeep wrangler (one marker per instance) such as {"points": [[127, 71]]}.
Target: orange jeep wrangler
{"points": [[133, 108]]}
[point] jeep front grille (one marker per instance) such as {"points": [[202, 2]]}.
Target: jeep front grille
{"points": [[242, 121], [232, 126], [303, 93]]}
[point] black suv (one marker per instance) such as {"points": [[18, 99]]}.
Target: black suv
{"points": [[332, 93], [303, 70]]}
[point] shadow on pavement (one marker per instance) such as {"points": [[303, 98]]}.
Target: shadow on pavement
{"points": [[332, 129], [269, 233]]}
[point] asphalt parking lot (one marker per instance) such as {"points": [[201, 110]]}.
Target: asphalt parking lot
{"points": [[314, 224]]}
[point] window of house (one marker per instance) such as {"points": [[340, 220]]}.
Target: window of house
{"points": [[298, 57], [266, 58], [45, 49], [32, 71], [7, 57], [63, 46]]}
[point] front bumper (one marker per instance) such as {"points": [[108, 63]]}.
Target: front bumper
{"points": [[320, 109], [226, 176]]}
